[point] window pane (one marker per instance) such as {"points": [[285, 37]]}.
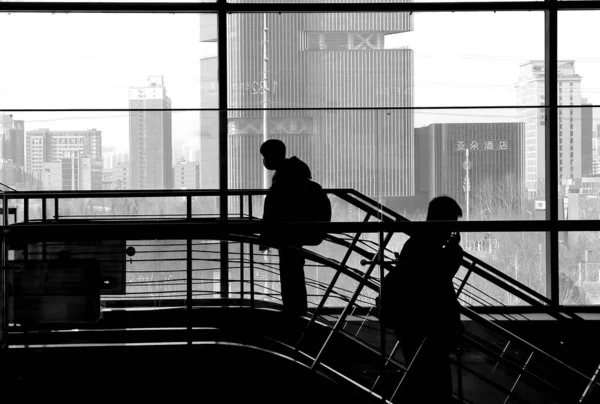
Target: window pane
{"points": [[578, 86], [79, 63], [475, 157], [578, 163], [579, 281], [114, 69], [322, 60], [209, 98], [520, 255]]}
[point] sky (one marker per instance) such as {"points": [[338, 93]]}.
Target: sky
{"points": [[90, 60]]}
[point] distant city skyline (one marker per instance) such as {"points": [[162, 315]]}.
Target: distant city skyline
{"points": [[454, 69]]}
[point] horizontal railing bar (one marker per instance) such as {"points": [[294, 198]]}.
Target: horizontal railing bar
{"points": [[205, 228], [134, 193]]}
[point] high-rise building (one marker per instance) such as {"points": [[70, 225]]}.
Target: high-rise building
{"points": [[574, 138], [336, 62], [109, 155], [494, 164], [587, 136], [150, 134], [121, 176], [596, 152], [12, 144], [186, 175], [72, 151]]}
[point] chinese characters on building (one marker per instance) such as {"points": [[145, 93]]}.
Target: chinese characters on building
{"points": [[484, 145]]}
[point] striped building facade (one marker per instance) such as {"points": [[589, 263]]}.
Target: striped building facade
{"points": [[320, 71], [495, 164]]}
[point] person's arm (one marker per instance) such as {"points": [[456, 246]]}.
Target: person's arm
{"points": [[267, 218], [455, 255]]}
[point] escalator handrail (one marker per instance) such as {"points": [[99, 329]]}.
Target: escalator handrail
{"points": [[480, 266]]}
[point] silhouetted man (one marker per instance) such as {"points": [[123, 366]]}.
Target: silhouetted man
{"points": [[429, 310], [284, 203]]}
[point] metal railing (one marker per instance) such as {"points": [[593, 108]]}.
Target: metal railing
{"points": [[254, 281]]}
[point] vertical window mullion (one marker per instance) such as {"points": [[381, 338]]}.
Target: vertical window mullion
{"points": [[551, 167], [223, 158]]}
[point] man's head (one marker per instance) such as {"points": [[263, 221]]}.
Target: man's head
{"points": [[273, 152], [443, 208]]}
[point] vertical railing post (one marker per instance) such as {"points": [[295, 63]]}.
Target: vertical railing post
{"points": [[55, 208], [4, 263], [4, 209], [241, 252], [251, 257], [382, 357], [25, 210], [44, 207], [189, 259]]}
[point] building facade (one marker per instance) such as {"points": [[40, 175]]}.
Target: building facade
{"points": [[72, 151], [121, 176], [494, 163], [574, 129], [186, 175], [335, 63], [150, 136], [12, 133], [72, 174]]}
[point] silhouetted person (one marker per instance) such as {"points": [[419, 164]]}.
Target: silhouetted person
{"points": [[284, 203], [429, 310]]}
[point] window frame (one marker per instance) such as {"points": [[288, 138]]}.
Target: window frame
{"points": [[551, 226]]}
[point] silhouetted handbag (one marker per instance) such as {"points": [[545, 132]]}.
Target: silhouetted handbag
{"points": [[389, 300]]}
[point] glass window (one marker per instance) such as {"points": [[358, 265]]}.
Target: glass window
{"points": [[173, 67], [579, 268]]}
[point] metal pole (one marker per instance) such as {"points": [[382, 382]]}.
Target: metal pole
{"points": [[382, 356], [242, 253], [3, 263], [189, 258], [251, 280], [468, 182], [265, 98]]}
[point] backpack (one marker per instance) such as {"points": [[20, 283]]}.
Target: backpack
{"points": [[307, 204], [318, 209]]}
